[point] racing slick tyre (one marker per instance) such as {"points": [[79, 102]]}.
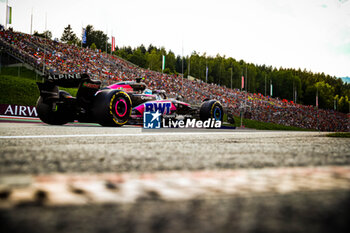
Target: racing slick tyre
{"points": [[112, 108], [211, 109], [58, 115]]}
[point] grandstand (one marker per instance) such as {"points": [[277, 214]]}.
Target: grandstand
{"points": [[47, 56]]}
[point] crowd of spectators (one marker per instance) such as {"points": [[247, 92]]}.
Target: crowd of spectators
{"points": [[54, 57]]}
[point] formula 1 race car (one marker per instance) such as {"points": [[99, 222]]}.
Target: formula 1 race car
{"points": [[115, 105]]}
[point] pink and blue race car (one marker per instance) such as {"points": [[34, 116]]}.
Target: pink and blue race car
{"points": [[115, 105]]}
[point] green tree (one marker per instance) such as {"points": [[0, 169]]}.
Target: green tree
{"points": [[46, 34], [138, 58], [178, 64], [93, 46], [143, 49], [326, 95], [98, 37], [121, 53], [154, 60], [167, 71], [170, 61], [343, 104], [68, 36]]}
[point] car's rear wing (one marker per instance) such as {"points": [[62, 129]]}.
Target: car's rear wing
{"points": [[86, 86], [49, 88]]}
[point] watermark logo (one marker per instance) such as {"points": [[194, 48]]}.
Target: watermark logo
{"points": [[161, 107], [191, 123], [157, 115], [151, 120]]}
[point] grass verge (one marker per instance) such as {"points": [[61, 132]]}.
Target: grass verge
{"points": [[18, 86], [339, 135]]}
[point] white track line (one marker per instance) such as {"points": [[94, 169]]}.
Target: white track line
{"points": [[113, 135]]}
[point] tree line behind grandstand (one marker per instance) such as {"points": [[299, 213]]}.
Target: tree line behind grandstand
{"points": [[291, 84]]}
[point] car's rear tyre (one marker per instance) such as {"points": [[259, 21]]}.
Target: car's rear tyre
{"points": [[211, 109], [112, 108], [58, 115]]}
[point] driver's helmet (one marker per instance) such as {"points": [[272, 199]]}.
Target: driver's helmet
{"points": [[179, 97], [147, 92]]}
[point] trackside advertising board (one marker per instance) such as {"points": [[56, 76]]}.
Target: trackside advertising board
{"points": [[18, 110]]}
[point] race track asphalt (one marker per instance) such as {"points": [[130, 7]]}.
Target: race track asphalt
{"points": [[284, 181]]}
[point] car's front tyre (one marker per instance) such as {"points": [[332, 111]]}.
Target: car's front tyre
{"points": [[211, 109]]}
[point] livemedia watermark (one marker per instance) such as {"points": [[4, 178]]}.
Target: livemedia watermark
{"points": [[155, 120]]}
